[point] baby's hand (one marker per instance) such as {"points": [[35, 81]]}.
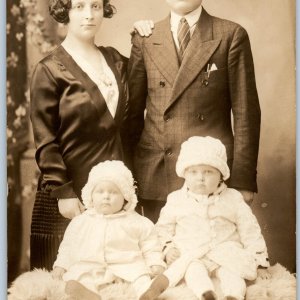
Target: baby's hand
{"points": [[58, 273], [156, 270], [263, 273], [172, 255]]}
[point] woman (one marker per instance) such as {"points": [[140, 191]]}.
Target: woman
{"points": [[79, 100]]}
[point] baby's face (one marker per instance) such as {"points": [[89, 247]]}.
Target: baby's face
{"points": [[107, 198], [202, 179]]}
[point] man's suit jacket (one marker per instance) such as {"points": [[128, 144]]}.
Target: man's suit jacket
{"points": [[186, 100]]}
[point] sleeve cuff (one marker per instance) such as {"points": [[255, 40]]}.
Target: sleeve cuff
{"points": [[64, 191], [167, 247], [155, 260]]}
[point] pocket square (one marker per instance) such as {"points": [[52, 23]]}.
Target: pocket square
{"points": [[213, 67]]}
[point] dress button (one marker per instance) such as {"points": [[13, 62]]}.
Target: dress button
{"points": [[162, 83], [168, 152]]}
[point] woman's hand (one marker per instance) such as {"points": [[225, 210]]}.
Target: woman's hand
{"points": [[172, 255], [70, 207], [248, 196], [142, 27], [58, 273]]}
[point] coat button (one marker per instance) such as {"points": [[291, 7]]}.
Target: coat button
{"points": [[162, 83]]}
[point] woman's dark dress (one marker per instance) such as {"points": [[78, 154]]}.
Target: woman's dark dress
{"points": [[73, 131]]}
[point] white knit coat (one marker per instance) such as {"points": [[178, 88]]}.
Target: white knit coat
{"points": [[223, 221], [122, 245]]}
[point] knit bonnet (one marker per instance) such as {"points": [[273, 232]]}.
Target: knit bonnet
{"points": [[202, 151], [116, 172]]}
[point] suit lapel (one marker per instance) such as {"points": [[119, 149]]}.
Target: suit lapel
{"points": [[201, 47], [161, 48]]}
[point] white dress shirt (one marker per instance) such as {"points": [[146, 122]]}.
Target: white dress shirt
{"points": [[192, 19]]}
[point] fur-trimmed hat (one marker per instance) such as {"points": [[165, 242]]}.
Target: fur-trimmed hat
{"points": [[119, 174], [202, 151]]}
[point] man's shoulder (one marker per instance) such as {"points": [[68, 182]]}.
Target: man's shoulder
{"points": [[162, 23], [225, 26], [159, 29]]}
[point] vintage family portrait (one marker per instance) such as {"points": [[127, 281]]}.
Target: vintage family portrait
{"points": [[151, 149]]}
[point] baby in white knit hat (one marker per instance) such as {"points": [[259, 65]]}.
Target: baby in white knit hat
{"points": [[207, 229], [109, 242]]}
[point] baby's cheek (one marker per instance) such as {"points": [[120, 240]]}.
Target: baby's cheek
{"points": [[97, 204]]}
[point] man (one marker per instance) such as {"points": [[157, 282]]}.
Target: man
{"points": [[189, 75]]}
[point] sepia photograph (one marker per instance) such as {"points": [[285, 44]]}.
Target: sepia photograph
{"points": [[151, 149]]}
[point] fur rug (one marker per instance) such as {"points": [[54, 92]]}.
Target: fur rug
{"points": [[281, 286], [39, 285]]}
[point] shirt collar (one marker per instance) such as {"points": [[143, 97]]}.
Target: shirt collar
{"points": [[192, 18], [205, 198], [93, 212]]}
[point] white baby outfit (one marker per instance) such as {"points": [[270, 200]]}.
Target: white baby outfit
{"points": [[99, 249], [221, 227]]}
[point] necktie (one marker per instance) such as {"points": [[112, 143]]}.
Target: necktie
{"points": [[183, 35]]}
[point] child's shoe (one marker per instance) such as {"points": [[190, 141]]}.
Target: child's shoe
{"points": [[157, 287], [210, 295]]}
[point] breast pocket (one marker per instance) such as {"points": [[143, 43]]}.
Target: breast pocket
{"points": [[216, 79]]}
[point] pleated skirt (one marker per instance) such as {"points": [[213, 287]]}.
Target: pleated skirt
{"points": [[47, 230]]}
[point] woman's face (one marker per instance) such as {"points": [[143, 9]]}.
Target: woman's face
{"points": [[85, 18]]}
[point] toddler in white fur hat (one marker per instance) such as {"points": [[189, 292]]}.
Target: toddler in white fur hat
{"points": [[207, 229], [108, 242]]}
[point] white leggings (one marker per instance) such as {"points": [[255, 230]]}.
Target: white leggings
{"points": [[197, 279]]}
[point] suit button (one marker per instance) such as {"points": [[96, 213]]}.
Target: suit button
{"points": [[162, 83], [200, 117], [167, 118]]}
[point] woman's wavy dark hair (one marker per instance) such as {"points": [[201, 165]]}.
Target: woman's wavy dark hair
{"points": [[59, 10]]}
